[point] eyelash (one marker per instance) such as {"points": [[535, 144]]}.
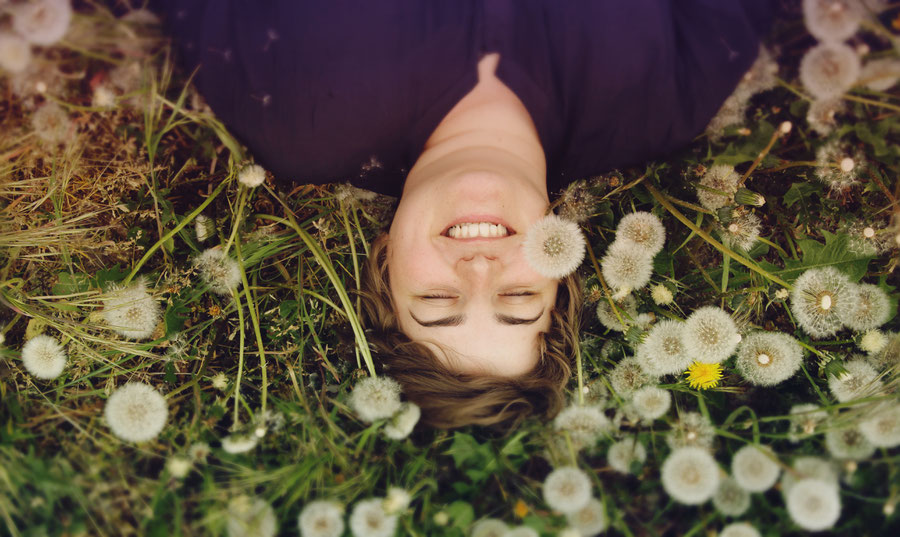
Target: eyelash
{"points": [[438, 296], [522, 293]]}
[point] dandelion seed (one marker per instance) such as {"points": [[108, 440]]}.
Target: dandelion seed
{"points": [[627, 311], [626, 267], [742, 233], [321, 518], [403, 422], [567, 489], [809, 468], [136, 412], [42, 22], [661, 295], [589, 520], [252, 176], [239, 443], [522, 531], [625, 454], [822, 115], [709, 335], [754, 469], [221, 273], [369, 519], [627, 376], [641, 230], [554, 247], [882, 429], [739, 529], [131, 311], [651, 402], [51, 123], [731, 499], [43, 357], [375, 398], [819, 299], [828, 70], [15, 53], [768, 358], [848, 443], [869, 308], [584, 424], [718, 187], [832, 20], [691, 430], [881, 74], [804, 420], [489, 527], [178, 467], [813, 504], [860, 381], [690, 475], [250, 517]]}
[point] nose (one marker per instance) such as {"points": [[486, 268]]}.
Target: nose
{"points": [[478, 268]]}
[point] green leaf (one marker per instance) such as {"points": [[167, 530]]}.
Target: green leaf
{"points": [[175, 316], [461, 513], [69, 284], [835, 253], [801, 191]]}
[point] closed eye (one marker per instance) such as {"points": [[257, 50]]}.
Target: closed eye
{"points": [[437, 297], [519, 293]]}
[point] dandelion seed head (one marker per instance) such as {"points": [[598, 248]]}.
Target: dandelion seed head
{"points": [[813, 504], [42, 22], [178, 467], [819, 297], [848, 443], [754, 469], [627, 311], [710, 335], [832, 20], [522, 531], [131, 311], [869, 307], [762, 75], [577, 202], [103, 97], [554, 247], [221, 273], [136, 412], [625, 453], [691, 430], [739, 529], [804, 420], [321, 518], [567, 489], [828, 70], [822, 115], [663, 351], [199, 451], [731, 499], [627, 376], [51, 123], [809, 468], [584, 424], [250, 517], [403, 422], [882, 427], [626, 267], [721, 182], [43, 357], [590, 519], [15, 53], [375, 398], [768, 358], [489, 527], [397, 500], [252, 176], [641, 229], [651, 402], [369, 519], [239, 443], [860, 381], [881, 74], [690, 475], [742, 233], [731, 113], [873, 342], [661, 295]]}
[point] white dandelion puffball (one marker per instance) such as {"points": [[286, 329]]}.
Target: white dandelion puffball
{"points": [[178, 467], [835, 167], [136, 412], [869, 308], [828, 70], [691, 430], [369, 519], [627, 376], [690, 475], [742, 233], [859, 381], [754, 468], [221, 273], [250, 517], [15, 53], [739, 529], [813, 504], [718, 186], [403, 422], [252, 176], [584, 424], [822, 115], [43, 357], [762, 75], [321, 518], [882, 429], [375, 398], [663, 352], [661, 295], [768, 358], [832, 20], [625, 453], [809, 468], [489, 527], [873, 342], [731, 113], [522, 531], [642, 230], [397, 500], [590, 519], [103, 97], [819, 297], [239, 443], [651, 402], [554, 247], [132, 311], [848, 444], [880, 75], [567, 489], [730, 498], [709, 335], [51, 123], [627, 310], [42, 22], [804, 420], [626, 266]]}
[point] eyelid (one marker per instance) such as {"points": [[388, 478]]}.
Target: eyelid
{"points": [[519, 293]]}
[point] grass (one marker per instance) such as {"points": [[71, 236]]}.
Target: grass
{"points": [[119, 200]]}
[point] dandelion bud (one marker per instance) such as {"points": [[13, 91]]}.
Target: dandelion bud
{"points": [[785, 127], [725, 215], [748, 197]]}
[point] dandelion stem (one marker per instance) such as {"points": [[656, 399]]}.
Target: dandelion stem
{"points": [[775, 136], [242, 200], [872, 102], [237, 383], [607, 295], [254, 318]]}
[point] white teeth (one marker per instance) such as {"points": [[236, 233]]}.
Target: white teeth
{"points": [[476, 230]]}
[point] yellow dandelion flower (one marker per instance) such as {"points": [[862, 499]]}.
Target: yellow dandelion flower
{"points": [[702, 376], [521, 509]]}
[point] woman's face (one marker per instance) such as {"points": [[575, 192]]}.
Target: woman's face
{"points": [[471, 296]]}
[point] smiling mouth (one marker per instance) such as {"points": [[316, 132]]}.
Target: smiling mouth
{"points": [[477, 230]]}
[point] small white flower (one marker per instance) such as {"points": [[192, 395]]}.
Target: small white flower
{"points": [[251, 517], [642, 230], [43, 357], [222, 274], [178, 467], [567, 489], [589, 520], [869, 308], [690, 475], [131, 311], [663, 352], [397, 500], [15, 52], [882, 427], [554, 247], [375, 398], [368, 519], [813, 504], [220, 381], [626, 267], [848, 443], [42, 22], [252, 176], [828, 70], [584, 424], [818, 298], [768, 358], [739, 529], [754, 469], [51, 123], [136, 412], [832, 20], [623, 454], [489, 527], [860, 380], [718, 186], [239, 443], [404, 421], [321, 518], [709, 335], [873, 342], [661, 295], [730, 499]]}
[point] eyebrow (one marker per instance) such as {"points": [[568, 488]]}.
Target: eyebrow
{"points": [[456, 320]]}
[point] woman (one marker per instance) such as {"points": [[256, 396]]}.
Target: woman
{"points": [[471, 112]]}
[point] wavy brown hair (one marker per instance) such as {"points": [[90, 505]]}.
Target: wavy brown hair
{"points": [[452, 399]]}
